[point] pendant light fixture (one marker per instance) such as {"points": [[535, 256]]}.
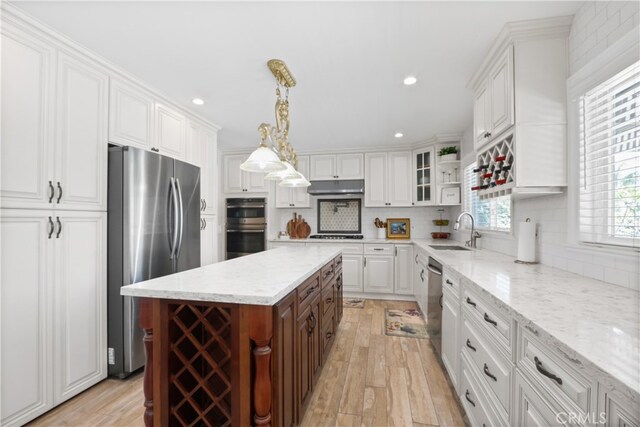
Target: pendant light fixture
{"points": [[275, 155]]}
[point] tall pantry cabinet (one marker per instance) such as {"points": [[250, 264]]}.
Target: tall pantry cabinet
{"points": [[53, 224]]}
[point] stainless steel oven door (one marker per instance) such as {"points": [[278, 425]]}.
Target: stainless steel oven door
{"points": [[245, 240]]}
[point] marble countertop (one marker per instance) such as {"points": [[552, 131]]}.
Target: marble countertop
{"points": [[263, 278], [593, 320], [347, 241]]}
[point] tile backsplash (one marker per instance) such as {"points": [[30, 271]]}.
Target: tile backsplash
{"points": [[339, 216]]}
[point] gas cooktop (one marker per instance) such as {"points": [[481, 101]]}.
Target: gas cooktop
{"points": [[337, 236]]}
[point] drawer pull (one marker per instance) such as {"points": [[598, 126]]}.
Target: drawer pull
{"points": [[328, 273], [488, 373], [378, 249], [546, 373], [470, 302], [310, 291], [470, 346], [449, 282], [490, 320], [329, 300], [329, 335], [466, 396]]}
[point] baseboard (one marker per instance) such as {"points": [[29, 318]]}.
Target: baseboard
{"points": [[385, 297]]}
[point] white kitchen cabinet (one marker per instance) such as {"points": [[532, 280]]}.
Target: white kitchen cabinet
{"points": [[403, 269], [375, 179], [201, 150], [399, 179], [208, 240], [451, 336], [131, 115], [378, 274], [387, 179], [236, 180], [171, 132], [424, 176], [493, 105], [327, 167], [352, 272], [53, 308], [531, 409], [26, 153], [80, 303], [294, 197], [81, 140], [26, 316]]}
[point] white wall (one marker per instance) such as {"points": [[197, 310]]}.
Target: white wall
{"points": [[595, 26]]}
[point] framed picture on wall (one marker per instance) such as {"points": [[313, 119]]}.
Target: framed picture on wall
{"points": [[398, 228]]}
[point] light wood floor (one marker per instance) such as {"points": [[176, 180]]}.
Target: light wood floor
{"points": [[370, 379]]}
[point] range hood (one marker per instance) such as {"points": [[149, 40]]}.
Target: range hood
{"points": [[346, 186]]}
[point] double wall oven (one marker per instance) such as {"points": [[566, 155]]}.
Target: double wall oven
{"points": [[246, 226]]}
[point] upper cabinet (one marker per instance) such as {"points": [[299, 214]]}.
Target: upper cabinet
{"points": [[201, 150], [520, 123], [81, 140], [423, 176], [294, 197], [342, 166], [171, 134], [235, 180], [131, 115], [26, 153], [494, 101], [387, 179], [54, 136]]}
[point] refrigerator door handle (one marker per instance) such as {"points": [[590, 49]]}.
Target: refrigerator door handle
{"points": [[174, 202], [181, 221]]}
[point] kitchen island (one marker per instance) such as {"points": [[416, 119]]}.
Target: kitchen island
{"points": [[240, 342]]}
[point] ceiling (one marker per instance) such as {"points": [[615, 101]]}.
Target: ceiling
{"points": [[349, 59]]}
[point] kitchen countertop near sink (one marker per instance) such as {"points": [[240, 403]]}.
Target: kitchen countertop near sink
{"points": [[595, 324], [341, 241]]}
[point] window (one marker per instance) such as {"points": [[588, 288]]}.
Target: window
{"points": [[609, 195], [491, 214]]}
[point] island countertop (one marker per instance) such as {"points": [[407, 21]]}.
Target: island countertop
{"points": [[260, 279]]}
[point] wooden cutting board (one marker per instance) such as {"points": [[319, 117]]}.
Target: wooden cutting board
{"points": [[303, 230], [291, 227]]}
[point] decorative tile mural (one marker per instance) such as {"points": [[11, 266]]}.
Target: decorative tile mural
{"points": [[339, 215]]}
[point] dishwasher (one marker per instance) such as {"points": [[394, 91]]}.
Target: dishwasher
{"points": [[434, 304]]}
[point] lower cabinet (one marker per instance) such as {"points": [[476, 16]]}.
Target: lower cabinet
{"points": [[451, 335], [53, 313], [208, 240], [403, 283], [352, 269], [532, 410], [378, 274], [305, 324]]}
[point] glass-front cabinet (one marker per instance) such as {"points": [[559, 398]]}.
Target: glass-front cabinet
{"points": [[423, 176]]}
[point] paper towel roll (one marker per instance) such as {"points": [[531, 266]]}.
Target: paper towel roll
{"points": [[527, 241]]}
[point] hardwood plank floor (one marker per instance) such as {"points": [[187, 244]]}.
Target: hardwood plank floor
{"points": [[370, 379]]}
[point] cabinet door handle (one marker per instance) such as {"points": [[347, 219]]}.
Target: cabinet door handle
{"points": [[200, 224], [204, 223], [546, 373], [329, 335], [466, 396], [422, 275], [52, 226], [490, 320], [52, 191], [205, 203], [449, 282], [440, 301], [488, 373], [469, 345], [365, 262], [155, 150], [470, 302], [59, 227], [396, 251], [59, 193], [416, 259]]}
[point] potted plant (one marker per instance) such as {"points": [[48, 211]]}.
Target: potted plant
{"points": [[448, 154]]}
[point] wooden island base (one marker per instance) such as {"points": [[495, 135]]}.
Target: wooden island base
{"points": [[223, 364]]}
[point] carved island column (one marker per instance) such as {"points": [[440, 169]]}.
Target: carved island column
{"points": [[146, 322], [260, 322]]}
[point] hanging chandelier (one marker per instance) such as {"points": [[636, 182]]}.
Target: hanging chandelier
{"points": [[275, 155]]}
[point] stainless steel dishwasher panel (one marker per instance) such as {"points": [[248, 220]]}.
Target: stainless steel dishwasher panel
{"points": [[434, 304]]}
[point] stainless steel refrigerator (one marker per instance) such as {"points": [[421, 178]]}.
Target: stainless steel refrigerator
{"points": [[153, 231]]}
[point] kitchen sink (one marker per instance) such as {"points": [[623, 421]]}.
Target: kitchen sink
{"points": [[449, 248]]}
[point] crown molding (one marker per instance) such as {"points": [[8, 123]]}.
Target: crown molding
{"points": [[26, 22], [512, 32]]}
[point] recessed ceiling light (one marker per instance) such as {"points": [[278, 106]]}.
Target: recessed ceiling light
{"points": [[198, 101], [411, 80], [398, 135]]}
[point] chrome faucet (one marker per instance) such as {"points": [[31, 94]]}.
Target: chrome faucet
{"points": [[474, 234]]}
